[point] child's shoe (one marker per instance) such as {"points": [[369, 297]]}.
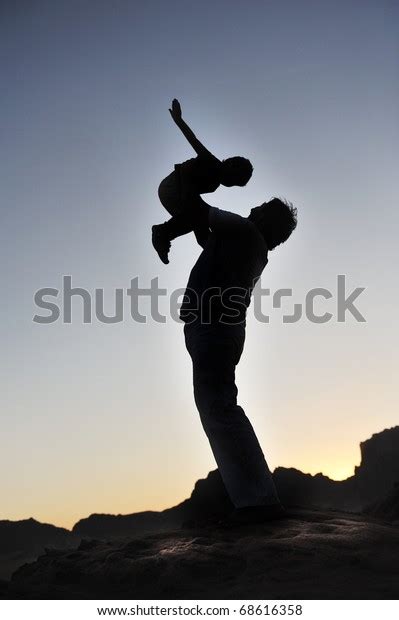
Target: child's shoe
{"points": [[161, 242]]}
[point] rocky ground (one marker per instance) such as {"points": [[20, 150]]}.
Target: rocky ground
{"points": [[310, 554]]}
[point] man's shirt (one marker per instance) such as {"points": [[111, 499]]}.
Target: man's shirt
{"points": [[221, 282]]}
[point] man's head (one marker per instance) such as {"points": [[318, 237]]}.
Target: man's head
{"points": [[276, 220], [235, 171]]}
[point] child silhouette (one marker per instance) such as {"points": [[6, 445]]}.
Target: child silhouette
{"points": [[180, 190]]}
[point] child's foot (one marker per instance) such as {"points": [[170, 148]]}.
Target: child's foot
{"points": [[161, 243]]}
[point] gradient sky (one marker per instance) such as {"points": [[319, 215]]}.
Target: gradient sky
{"points": [[101, 418]]}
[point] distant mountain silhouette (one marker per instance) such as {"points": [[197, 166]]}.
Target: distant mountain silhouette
{"points": [[378, 471], [386, 508], [109, 526], [373, 479], [209, 498], [23, 541], [370, 490]]}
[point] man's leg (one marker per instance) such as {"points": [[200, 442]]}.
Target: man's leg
{"points": [[215, 351]]}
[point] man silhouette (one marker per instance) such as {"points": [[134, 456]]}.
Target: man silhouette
{"points": [[214, 312]]}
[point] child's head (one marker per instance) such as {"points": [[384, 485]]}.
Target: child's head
{"points": [[235, 171], [276, 219]]}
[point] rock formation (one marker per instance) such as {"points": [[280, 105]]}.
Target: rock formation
{"points": [[23, 541], [312, 554], [370, 490]]}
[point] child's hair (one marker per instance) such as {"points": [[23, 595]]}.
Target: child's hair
{"points": [[236, 171], [279, 219]]}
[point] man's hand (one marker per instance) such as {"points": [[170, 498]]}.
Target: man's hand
{"points": [[175, 111]]}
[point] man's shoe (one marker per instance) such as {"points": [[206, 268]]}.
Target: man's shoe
{"points": [[161, 243], [251, 515]]}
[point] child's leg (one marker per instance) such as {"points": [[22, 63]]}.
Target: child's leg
{"points": [[169, 194], [193, 217], [195, 210], [187, 213], [177, 196]]}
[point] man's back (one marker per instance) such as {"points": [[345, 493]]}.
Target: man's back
{"points": [[220, 284]]}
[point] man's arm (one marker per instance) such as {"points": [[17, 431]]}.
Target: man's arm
{"points": [[218, 220], [199, 148], [204, 216]]}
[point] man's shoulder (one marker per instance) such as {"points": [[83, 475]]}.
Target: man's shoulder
{"points": [[220, 219], [223, 214]]}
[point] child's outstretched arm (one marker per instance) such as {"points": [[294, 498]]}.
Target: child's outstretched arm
{"points": [[199, 148]]}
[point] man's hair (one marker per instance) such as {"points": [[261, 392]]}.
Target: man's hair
{"points": [[280, 219], [237, 169]]}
